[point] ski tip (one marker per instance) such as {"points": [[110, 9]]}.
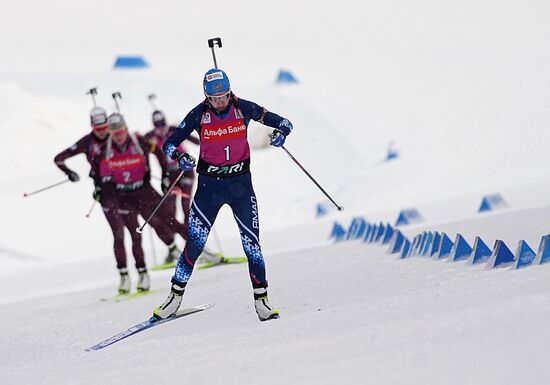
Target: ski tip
{"points": [[91, 349]]}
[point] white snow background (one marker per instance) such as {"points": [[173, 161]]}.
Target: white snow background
{"points": [[462, 89]]}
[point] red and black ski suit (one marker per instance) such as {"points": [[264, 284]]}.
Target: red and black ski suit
{"points": [[92, 147]]}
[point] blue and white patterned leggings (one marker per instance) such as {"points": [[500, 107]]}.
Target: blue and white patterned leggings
{"points": [[212, 193]]}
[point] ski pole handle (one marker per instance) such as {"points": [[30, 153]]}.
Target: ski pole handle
{"points": [[45, 188], [339, 207], [140, 229]]}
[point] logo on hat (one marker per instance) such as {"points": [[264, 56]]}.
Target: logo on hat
{"points": [[214, 76]]}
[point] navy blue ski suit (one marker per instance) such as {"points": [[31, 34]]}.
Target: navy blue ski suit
{"points": [[224, 178]]}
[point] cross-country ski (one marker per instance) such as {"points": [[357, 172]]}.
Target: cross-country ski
{"points": [[152, 322]]}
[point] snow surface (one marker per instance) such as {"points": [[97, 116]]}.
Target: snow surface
{"points": [[460, 88]]}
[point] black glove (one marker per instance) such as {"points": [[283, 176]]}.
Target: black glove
{"points": [[165, 184], [97, 193], [73, 176]]}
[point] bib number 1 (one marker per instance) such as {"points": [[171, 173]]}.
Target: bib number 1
{"points": [[226, 149]]}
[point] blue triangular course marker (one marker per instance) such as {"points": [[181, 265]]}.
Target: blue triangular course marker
{"points": [[429, 238], [408, 216], [356, 228], [392, 154], [401, 220], [416, 248], [368, 230], [501, 256], [406, 251], [427, 245], [380, 233], [321, 211], [446, 246], [435, 244], [423, 242], [524, 255], [492, 202], [397, 242], [286, 77], [373, 233], [130, 62], [415, 242], [543, 255], [461, 250], [338, 232], [388, 234], [480, 253]]}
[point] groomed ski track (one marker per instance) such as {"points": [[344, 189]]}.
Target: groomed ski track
{"points": [[349, 312]]}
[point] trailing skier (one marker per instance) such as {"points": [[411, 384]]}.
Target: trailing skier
{"points": [[92, 145], [124, 164]]}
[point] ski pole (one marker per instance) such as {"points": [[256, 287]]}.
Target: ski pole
{"points": [[140, 229], [91, 209], [116, 97], [45, 188], [340, 208], [211, 43], [93, 93]]}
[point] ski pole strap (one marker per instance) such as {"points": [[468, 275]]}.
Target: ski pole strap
{"points": [[140, 229], [340, 208], [44, 188]]}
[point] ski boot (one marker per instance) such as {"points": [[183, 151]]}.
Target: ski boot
{"points": [[263, 308], [124, 286], [172, 303], [173, 254], [144, 282]]}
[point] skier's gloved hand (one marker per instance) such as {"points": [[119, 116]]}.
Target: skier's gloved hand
{"points": [[186, 162], [277, 138], [165, 184], [97, 193], [73, 176]]}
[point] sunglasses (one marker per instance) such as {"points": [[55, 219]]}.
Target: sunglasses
{"points": [[219, 98], [100, 127]]}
